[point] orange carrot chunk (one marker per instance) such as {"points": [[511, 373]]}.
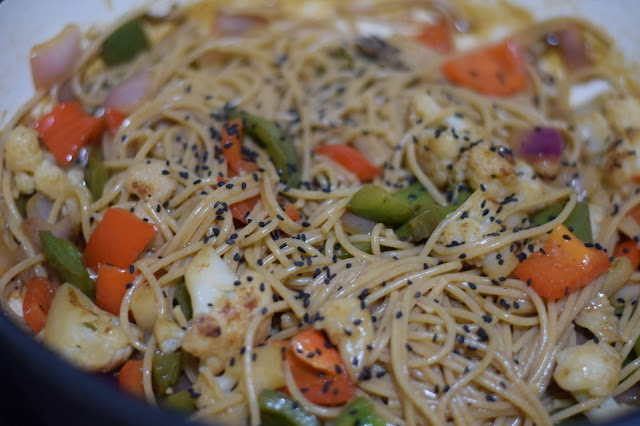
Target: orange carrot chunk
{"points": [[497, 70], [437, 36], [66, 129], [629, 249], [564, 265], [351, 159], [291, 211], [37, 301], [111, 287], [114, 119], [231, 139], [130, 378], [118, 239]]}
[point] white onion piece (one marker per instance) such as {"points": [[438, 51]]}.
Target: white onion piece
{"points": [[39, 207], [356, 225], [130, 92], [54, 60], [65, 93], [66, 228]]}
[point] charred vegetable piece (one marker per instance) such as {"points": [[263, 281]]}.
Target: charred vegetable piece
{"points": [[359, 412], [278, 409], [181, 401], [578, 221], [66, 260], [125, 43], [97, 174], [166, 370], [277, 142], [183, 298], [376, 203], [342, 253]]}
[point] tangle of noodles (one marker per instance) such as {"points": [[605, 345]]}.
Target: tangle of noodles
{"points": [[454, 336]]}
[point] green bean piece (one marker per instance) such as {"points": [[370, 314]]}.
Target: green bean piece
{"points": [[166, 370], [125, 43], [277, 142], [278, 409], [66, 260], [21, 204], [183, 298], [578, 221], [97, 174], [181, 401], [359, 412], [376, 203], [342, 253]]}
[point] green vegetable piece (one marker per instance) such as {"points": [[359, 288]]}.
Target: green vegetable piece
{"points": [[415, 194], [21, 204], [463, 195], [376, 203], [277, 142], [359, 412], [342, 253], [427, 216], [97, 174], [183, 298], [426, 222], [66, 260], [166, 370], [181, 401], [277, 409], [125, 43], [578, 221]]}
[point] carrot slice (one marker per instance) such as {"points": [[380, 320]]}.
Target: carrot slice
{"points": [[437, 36], [66, 129], [351, 159], [241, 209], [630, 250], [291, 211], [564, 265], [114, 119], [497, 70], [231, 139], [130, 378], [118, 239], [37, 301], [313, 348], [111, 287]]}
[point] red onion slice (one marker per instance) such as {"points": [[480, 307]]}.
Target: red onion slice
{"points": [[235, 25], [53, 61], [356, 225], [130, 92], [574, 47], [542, 142]]}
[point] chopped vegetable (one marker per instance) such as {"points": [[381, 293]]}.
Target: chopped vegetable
{"points": [[291, 211], [630, 250], [564, 265], [111, 287], [342, 253], [181, 401], [66, 260], [114, 119], [128, 93], [496, 70], [437, 36], [182, 298], [278, 409], [130, 378], [359, 412], [375, 203], [351, 159], [36, 303], [97, 174], [578, 221], [166, 370], [21, 204], [277, 142], [125, 43], [231, 141], [542, 142], [53, 61], [573, 46], [118, 239], [241, 209], [66, 129], [321, 377]]}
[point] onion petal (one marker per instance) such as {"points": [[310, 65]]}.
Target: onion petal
{"points": [[235, 25], [130, 92], [542, 142], [357, 225], [574, 47], [53, 61]]}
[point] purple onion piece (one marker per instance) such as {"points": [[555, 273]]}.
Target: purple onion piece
{"points": [[542, 142]]}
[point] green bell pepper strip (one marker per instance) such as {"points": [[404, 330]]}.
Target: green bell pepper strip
{"points": [[166, 369], [377, 204], [181, 401], [359, 412], [277, 142], [21, 204], [125, 43], [342, 253], [97, 174], [278, 409], [183, 298], [66, 260], [578, 221]]}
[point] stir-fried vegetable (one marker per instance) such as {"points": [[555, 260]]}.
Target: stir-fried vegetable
{"points": [[359, 412], [278, 409], [564, 265], [231, 142], [66, 260], [183, 299], [578, 221], [166, 370], [376, 203], [342, 253], [181, 401], [97, 174], [277, 142], [66, 129], [130, 378], [118, 239], [495, 70], [630, 250], [125, 43], [437, 36], [351, 159], [21, 204], [542, 142], [36, 303], [111, 287], [114, 119]]}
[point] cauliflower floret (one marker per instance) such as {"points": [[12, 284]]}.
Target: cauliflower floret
{"points": [[623, 163], [485, 165], [592, 368], [25, 183], [500, 263], [528, 187], [51, 180], [147, 178], [623, 114], [592, 130], [168, 334], [599, 317], [144, 307], [425, 106], [84, 334], [22, 150], [437, 153]]}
